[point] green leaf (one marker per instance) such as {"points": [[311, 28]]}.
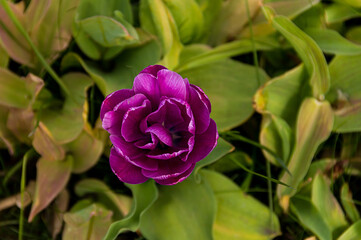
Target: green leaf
{"points": [[337, 12], [352, 233], [332, 42], [314, 125], [238, 80], [310, 218], [210, 10], [282, 95], [354, 34], [345, 93], [4, 57], [239, 216], [327, 205], [353, 3], [223, 147], [308, 51], [86, 150], [183, 211], [348, 203], [144, 195], [90, 222], [225, 164], [277, 136], [51, 178], [127, 65], [105, 195]]}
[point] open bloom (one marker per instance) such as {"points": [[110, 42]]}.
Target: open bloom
{"points": [[159, 129]]}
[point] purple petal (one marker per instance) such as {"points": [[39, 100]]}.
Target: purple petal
{"points": [[131, 121], [204, 97], [112, 122], [125, 171], [153, 69], [133, 101], [146, 143], [177, 179], [162, 133], [113, 99], [200, 111], [168, 169], [171, 84], [204, 143], [147, 84], [162, 154], [132, 154]]}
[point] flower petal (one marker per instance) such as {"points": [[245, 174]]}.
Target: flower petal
{"points": [[146, 143], [177, 179], [133, 101], [171, 84], [161, 133], [147, 84], [132, 154], [113, 99], [125, 171], [131, 121], [204, 143], [168, 169], [111, 122], [204, 97], [200, 111], [153, 69]]}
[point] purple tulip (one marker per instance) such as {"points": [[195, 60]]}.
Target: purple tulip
{"points": [[159, 129]]}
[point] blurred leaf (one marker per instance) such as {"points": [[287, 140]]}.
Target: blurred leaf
{"points": [[354, 35], [66, 124], [188, 18], [282, 95], [352, 233], [14, 91], [4, 57], [345, 93], [223, 147], [276, 135], [310, 218], [231, 20], [225, 164], [210, 10], [86, 151], [348, 203], [127, 66], [337, 12], [54, 214], [353, 3], [332, 42], [105, 195], [51, 178], [314, 125], [323, 165], [7, 139], [182, 211], [327, 205], [144, 195], [239, 216], [45, 144], [90, 222], [238, 80], [308, 51]]}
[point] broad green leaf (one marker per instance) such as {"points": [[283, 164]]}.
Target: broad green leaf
{"points": [[223, 147], [345, 93], [14, 91], [327, 205], [86, 151], [127, 65], [89, 223], [276, 135], [188, 18], [231, 20], [353, 3], [104, 194], [282, 95], [45, 145], [337, 12], [238, 80], [332, 42], [51, 178], [354, 34], [352, 233], [4, 57], [210, 10], [225, 164], [308, 51], [314, 125], [66, 124], [144, 195], [323, 165], [310, 218], [183, 211], [348, 203], [239, 216]]}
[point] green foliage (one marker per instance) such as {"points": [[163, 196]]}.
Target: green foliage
{"points": [[283, 78]]}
